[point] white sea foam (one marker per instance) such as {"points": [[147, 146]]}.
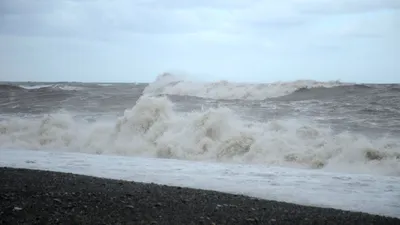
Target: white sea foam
{"points": [[105, 85], [56, 86], [365, 193], [152, 128], [175, 85], [35, 86], [67, 87]]}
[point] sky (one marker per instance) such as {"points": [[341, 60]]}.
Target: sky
{"points": [[210, 40]]}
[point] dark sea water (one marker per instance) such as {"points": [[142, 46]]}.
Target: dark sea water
{"points": [[316, 125]]}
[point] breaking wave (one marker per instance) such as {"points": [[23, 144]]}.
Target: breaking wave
{"points": [[173, 85], [8, 87], [153, 128], [64, 87]]}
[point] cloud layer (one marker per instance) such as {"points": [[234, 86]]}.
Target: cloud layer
{"points": [[269, 31]]}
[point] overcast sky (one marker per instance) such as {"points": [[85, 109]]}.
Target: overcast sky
{"points": [[238, 40]]}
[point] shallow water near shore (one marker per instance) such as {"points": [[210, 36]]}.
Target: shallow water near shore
{"points": [[354, 192]]}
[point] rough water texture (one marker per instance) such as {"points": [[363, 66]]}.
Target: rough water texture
{"points": [[332, 126]]}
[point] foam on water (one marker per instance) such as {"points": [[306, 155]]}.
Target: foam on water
{"points": [[64, 87], [35, 86], [153, 128], [371, 194], [67, 87], [175, 85]]}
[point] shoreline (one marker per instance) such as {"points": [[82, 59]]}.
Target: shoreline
{"points": [[46, 197]]}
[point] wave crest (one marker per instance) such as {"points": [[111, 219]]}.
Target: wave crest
{"points": [[153, 128], [39, 87], [8, 87], [174, 85]]}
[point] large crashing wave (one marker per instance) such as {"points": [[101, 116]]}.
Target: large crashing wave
{"points": [[174, 85], [153, 128]]}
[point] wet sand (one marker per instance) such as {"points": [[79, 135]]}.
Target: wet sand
{"points": [[43, 197]]}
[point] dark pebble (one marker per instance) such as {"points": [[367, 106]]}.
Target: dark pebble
{"points": [[43, 197]]}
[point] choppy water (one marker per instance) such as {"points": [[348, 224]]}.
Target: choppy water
{"points": [[352, 128]]}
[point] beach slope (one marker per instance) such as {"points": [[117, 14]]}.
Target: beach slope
{"points": [[44, 197]]}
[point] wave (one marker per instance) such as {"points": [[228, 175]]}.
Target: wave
{"points": [[173, 85], [33, 87], [8, 87], [66, 87], [153, 128], [39, 87], [339, 89], [306, 93]]}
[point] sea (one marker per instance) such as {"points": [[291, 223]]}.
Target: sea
{"points": [[329, 144]]}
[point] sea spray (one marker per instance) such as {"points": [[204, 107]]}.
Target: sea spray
{"points": [[153, 128]]}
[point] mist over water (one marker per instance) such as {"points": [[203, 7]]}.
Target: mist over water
{"points": [[331, 126]]}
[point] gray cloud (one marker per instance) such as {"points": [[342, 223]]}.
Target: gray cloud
{"points": [[100, 17], [345, 6], [191, 4], [236, 21], [26, 6]]}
